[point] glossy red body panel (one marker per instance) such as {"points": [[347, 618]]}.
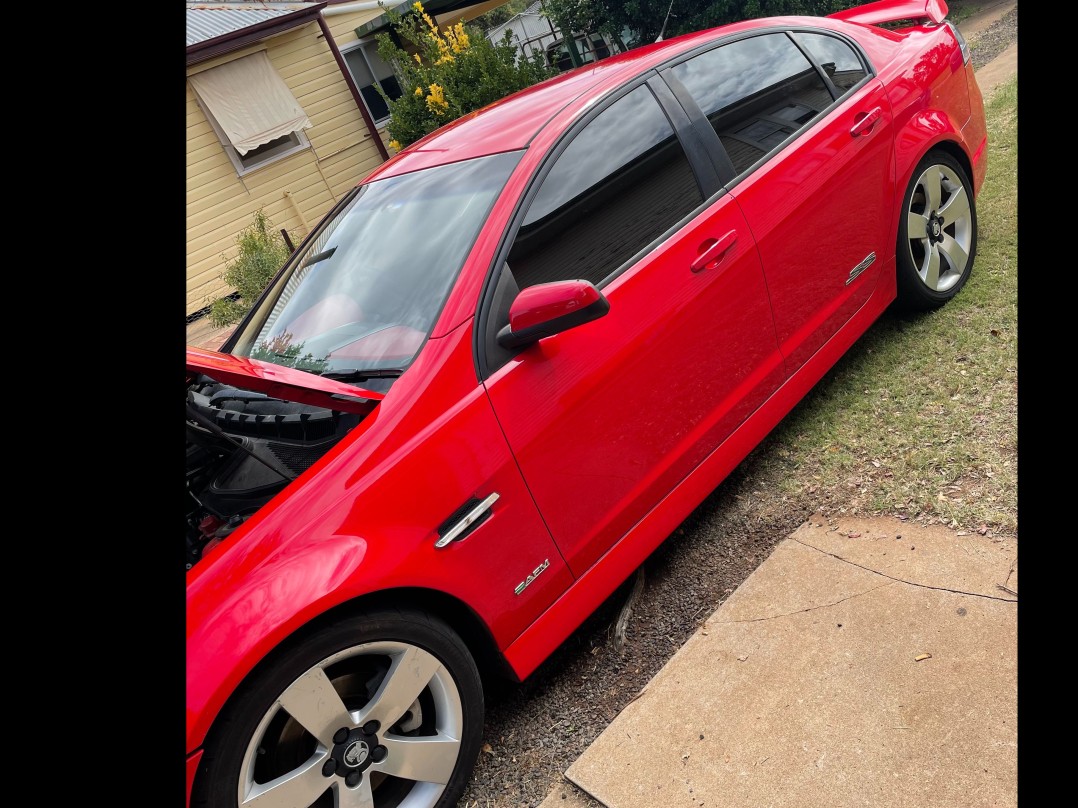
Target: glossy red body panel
{"points": [[369, 525], [927, 112], [591, 589], [277, 380], [828, 182], [192, 769], [706, 343], [602, 439]]}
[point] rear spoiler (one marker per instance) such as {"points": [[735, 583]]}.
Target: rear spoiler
{"points": [[893, 11]]}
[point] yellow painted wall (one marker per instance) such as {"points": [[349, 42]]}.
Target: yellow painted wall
{"points": [[298, 188]]}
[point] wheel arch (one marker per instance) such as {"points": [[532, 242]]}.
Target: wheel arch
{"points": [[460, 617], [953, 148], [455, 612]]}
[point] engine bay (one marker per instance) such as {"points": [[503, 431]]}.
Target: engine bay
{"points": [[243, 448]]}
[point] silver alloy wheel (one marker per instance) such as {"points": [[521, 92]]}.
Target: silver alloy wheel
{"points": [[313, 749], [939, 224]]}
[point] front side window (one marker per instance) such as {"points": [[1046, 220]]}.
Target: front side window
{"points": [[756, 94], [370, 71], [365, 292], [256, 117], [621, 183]]}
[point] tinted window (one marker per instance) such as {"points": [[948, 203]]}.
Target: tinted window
{"points": [[756, 93], [837, 58], [621, 183]]}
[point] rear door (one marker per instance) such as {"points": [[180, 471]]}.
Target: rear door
{"points": [[803, 133], [605, 419]]}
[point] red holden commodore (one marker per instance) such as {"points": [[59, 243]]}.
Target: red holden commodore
{"points": [[515, 357]]}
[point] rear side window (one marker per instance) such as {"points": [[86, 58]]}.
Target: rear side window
{"points": [[620, 184], [839, 60], [756, 93]]}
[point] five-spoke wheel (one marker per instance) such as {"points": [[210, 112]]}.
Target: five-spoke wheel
{"points": [[937, 237], [383, 710]]}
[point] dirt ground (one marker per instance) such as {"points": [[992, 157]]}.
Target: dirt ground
{"points": [[535, 730]]}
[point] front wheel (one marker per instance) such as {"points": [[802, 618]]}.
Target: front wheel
{"points": [[937, 234], [380, 710]]}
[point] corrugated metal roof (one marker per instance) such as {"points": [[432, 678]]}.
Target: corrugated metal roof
{"points": [[210, 20]]}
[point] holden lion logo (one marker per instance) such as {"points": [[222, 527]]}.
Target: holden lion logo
{"points": [[355, 754]]}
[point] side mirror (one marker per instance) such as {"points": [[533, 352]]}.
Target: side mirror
{"points": [[550, 308]]}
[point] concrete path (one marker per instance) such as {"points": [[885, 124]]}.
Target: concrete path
{"points": [[865, 663]]}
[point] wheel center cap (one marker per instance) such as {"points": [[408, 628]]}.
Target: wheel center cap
{"points": [[353, 751], [356, 754]]}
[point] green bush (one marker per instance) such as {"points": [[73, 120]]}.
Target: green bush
{"points": [[262, 251], [451, 73]]}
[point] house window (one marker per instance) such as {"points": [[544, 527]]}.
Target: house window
{"points": [[368, 69], [252, 111]]}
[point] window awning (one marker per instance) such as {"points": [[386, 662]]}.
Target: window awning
{"points": [[249, 101]]}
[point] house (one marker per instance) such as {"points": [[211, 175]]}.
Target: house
{"points": [[282, 115], [533, 32]]}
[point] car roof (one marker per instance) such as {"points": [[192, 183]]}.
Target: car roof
{"points": [[512, 122]]}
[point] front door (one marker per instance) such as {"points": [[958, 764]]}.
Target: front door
{"points": [[605, 419]]}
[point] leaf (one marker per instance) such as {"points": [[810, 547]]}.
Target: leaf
{"points": [[487, 749]]}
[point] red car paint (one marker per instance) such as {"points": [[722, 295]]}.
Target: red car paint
{"points": [[600, 440]]}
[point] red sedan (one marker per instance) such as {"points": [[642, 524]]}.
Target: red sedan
{"points": [[503, 369]]}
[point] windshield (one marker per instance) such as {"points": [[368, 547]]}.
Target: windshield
{"points": [[364, 294]]}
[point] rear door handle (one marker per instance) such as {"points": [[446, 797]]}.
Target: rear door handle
{"points": [[866, 122], [713, 251]]}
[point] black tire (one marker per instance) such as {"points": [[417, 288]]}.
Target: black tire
{"points": [[367, 666], [937, 233]]}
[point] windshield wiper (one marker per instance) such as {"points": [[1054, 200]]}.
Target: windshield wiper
{"points": [[362, 375]]}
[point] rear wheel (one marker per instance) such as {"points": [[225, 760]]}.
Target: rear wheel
{"points": [[379, 711], [937, 235]]}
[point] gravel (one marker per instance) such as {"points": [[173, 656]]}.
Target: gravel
{"points": [[535, 730], [991, 42]]}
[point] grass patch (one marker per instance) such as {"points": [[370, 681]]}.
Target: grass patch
{"points": [[920, 418]]}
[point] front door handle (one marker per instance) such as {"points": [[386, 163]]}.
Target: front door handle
{"points": [[713, 251], [866, 122]]}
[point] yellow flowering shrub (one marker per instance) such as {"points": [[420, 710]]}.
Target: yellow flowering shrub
{"points": [[447, 73]]}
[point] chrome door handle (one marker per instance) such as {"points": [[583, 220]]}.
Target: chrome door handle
{"points": [[866, 122]]}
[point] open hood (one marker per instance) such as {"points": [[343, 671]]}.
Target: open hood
{"points": [[281, 382]]}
